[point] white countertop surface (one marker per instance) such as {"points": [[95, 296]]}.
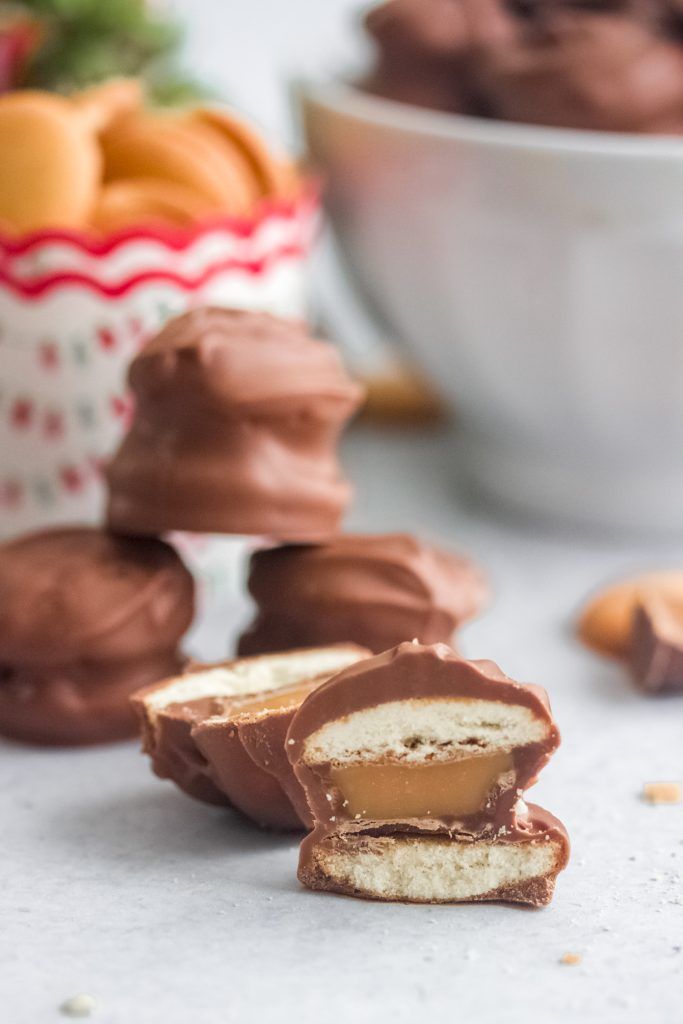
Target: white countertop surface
{"points": [[114, 884]]}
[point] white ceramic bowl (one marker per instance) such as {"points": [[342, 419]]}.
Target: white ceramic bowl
{"points": [[536, 275]]}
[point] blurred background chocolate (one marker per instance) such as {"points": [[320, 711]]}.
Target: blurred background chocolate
{"points": [[586, 69], [86, 618], [235, 431], [425, 46], [612, 66], [374, 590]]}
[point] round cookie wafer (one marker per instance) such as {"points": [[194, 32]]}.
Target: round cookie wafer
{"points": [[135, 201], [276, 176], [51, 164], [173, 150]]}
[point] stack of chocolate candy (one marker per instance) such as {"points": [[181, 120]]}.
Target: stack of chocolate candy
{"points": [[414, 755], [415, 764]]}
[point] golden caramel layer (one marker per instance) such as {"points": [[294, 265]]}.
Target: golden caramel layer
{"points": [[444, 789], [276, 699]]}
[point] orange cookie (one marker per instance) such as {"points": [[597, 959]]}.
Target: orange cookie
{"points": [[146, 146], [102, 104], [135, 201], [276, 176], [51, 164]]}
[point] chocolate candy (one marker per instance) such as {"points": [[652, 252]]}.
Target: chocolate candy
{"points": [[411, 758], [373, 590], [86, 618], [589, 70], [612, 65], [386, 863], [235, 431], [218, 731], [656, 651], [425, 46]]}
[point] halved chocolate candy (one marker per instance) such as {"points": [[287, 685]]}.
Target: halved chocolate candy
{"points": [[218, 730], [419, 733], [656, 651], [515, 866]]}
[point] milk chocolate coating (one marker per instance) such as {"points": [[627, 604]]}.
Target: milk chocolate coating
{"points": [[424, 48], [657, 646], [412, 671], [588, 70], [538, 826], [611, 65], [253, 785], [86, 618], [235, 431], [376, 591]]}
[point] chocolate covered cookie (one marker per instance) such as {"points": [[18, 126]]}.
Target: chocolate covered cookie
{"points": [[414, 763], [86, 618], [235, 430], [374, 590]]}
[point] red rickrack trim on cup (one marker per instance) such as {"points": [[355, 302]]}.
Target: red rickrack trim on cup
{"points": [[36, 289], [173, 238]]}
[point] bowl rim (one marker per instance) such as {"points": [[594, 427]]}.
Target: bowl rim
{"points": [[343, 97]]}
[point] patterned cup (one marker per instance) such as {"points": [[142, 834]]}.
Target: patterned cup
{"points": [[74, 311]]}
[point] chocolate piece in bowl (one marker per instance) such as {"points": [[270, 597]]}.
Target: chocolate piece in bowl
{"points": [[218, 730], [424, 48], [86, 618], [656, 654], [237, 420], [413, 763], [374, 590], [590, 70]]}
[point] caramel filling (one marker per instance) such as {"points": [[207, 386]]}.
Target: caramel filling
{"points": [[443, 789], [276, 699]]}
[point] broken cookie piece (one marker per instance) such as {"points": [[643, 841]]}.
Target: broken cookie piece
{"points": [[218, 730], [518, 866], [606, 621], [414, 763], [656, 654], [419, 732]]}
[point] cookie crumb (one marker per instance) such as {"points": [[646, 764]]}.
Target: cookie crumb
{"points": [[662, 793], [571, 959], [81, 1005]]}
